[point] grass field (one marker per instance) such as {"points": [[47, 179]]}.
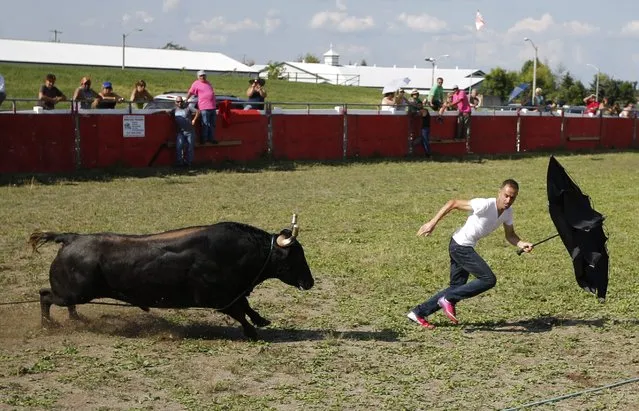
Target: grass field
{"points": [[24, 81], [346, 343]]}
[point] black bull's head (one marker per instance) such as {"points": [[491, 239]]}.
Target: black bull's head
{"points": [[293, 268]]}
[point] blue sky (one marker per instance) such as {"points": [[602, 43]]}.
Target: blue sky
{"points": [[570, 33]]}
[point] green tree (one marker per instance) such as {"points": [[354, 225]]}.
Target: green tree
{"points": [[308, 58], [570, 92], [545, 78], [275, 70], [173, 46], [617, 91], [499, 82]]}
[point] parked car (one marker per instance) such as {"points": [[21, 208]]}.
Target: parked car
{"points": [[166, 101]]}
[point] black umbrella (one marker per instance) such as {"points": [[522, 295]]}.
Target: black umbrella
{"points": [[580, 228]]}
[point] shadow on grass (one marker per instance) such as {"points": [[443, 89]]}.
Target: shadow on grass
{"points": [[261, 165], [154, 326], [533, 325]]}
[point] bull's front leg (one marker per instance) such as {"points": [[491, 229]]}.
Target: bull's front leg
{"points": [[238, 312], [255, 317]]}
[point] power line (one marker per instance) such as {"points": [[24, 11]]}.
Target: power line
{"points": [[55, 35]]}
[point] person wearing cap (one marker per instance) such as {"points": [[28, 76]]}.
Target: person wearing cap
{"points": [[49, 94], [140, 95], [107, 98], [206, 104], [84, 94], [459, 100]]}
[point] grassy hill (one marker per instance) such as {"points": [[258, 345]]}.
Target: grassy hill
{"points": [[24, 80]]}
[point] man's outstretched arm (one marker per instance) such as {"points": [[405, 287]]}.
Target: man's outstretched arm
{"points": [[514, 239], [450, 205]]}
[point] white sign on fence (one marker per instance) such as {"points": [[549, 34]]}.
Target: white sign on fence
{"points": [[133, 126]]}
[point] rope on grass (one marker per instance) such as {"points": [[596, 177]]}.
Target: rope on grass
{"points": [[563, 397]]}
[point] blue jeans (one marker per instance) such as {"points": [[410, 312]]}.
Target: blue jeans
{"points": [[184, 136], [464, 260], [426, 139], [208, 126]]}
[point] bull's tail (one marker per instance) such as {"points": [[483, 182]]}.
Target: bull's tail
{"points": [[39, 238]]}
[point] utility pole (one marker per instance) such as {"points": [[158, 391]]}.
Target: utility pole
{"points": [[55, 35]]}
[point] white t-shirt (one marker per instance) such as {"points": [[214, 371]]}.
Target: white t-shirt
{"points": [[1, 84], [482, 221]]}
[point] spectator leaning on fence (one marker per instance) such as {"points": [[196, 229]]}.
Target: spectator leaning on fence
{"points": [[474, 99], [140, 95], [436, 95], [388, 101], [49, 94], [628, 111], [107, 99], [256, 93], [206, 104], [592, 105], [84, 94]]}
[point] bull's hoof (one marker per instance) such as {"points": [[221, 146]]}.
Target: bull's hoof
{"points": [[48, 323], [261, 322], [250, 333]]}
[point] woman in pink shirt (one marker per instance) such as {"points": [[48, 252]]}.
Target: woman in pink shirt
{"points": [[206, 104]]}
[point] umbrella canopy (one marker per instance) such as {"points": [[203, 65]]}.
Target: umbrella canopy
{"points": [[580, 228], [517, 91], [395, 85]]}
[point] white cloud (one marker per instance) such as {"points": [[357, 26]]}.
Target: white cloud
{"points": [[216, 30], [529, 24], [579, 28], [341, 21], [220, 25], [168, 5], [203, 37], [422, 22], [271, 21], [339, 4], [142, 16], [631, 28]]}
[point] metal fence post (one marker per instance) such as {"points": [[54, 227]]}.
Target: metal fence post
{"points": [[269, 129], [345, 131], [78, 139]]}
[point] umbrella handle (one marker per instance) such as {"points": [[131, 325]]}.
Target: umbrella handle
{"points": [[521, 250]]}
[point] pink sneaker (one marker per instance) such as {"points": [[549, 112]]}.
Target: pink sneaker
{"points": [[419, 320], [448, 308]]}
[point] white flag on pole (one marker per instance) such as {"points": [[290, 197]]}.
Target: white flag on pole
{"points": [[479, 21]]}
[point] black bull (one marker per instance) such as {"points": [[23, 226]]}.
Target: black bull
{"points": [[214, 266]]}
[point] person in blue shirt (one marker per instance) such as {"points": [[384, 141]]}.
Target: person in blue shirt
{"points": [[185, 117]]}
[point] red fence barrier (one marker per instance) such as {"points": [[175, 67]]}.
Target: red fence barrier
{"points": [[53, 142], [36, 142]]}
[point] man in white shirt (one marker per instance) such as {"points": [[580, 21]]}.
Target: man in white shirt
{"points": [[487, 215]]}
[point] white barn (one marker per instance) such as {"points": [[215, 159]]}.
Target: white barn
{"points": [[372, 76], [23, 51]]}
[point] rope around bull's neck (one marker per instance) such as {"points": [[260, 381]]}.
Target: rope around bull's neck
{"points": [[250, 287]]}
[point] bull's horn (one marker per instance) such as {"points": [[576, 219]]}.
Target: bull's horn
{"points": [[282, 241]]}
